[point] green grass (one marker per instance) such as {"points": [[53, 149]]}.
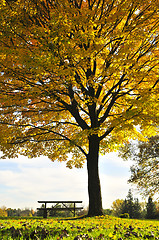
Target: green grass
{"points": [[104, 227]]}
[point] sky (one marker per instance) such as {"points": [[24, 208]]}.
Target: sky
{"points": [[24, 181]]}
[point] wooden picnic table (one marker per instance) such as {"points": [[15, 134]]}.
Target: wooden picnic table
{"points": [[64, 207]]}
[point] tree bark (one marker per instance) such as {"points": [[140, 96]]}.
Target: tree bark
{"points": [[94, 189]]}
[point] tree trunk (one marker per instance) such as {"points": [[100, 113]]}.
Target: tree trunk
{"points": [[94, 189]]}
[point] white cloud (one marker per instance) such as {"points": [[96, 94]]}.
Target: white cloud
{"points": [[47, 180], [24, 181]]}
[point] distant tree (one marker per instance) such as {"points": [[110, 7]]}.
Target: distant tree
{"points": [[124, 207], [32, 212], [3, 212], [9, 212], [130, 204], [151, 209], [26, 213], [13, 212], [19, 212], [145, 171], [117, 207], [137, 209]]}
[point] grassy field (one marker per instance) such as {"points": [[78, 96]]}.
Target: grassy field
{"points": [[104, 227]]}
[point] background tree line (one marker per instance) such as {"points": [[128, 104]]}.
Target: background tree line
{"points": [[9, 212], [128, 208], [132, 208]]}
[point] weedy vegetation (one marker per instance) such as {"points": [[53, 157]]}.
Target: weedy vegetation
{"points": [[103, 227]]}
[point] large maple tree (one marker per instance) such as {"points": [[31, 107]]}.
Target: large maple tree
{"points": [[77, 77]]}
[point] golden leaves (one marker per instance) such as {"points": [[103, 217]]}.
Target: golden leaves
{"points": [[70, 72]]}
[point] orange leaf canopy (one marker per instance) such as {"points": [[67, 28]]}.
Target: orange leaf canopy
{"points": [[75, 68]]}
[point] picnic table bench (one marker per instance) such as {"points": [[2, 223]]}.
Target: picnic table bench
{"points": [[56, 207]]}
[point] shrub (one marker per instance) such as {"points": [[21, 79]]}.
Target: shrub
{"points": [[124, 215]]}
